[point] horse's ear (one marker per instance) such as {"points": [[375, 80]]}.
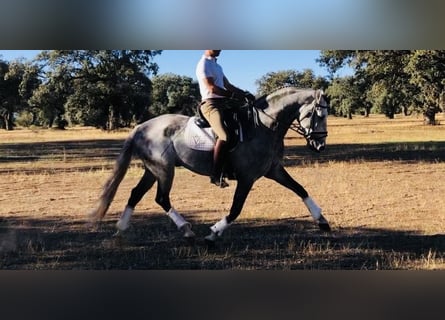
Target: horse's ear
{"points": [[318, 94]]}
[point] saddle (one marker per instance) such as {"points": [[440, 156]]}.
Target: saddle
{"points": [[238, 121]]}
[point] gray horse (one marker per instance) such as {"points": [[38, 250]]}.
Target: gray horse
{"points": [[162, 144]]}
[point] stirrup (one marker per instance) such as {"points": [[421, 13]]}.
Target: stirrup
{"points": [[220, 182]]}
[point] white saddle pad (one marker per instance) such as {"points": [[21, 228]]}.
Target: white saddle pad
{"points": [[197, 138]]}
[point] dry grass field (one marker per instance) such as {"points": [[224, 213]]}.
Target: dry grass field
{"points": [[380, 183]]}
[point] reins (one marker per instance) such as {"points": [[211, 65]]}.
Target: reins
{"points": [[298, 128], [302, 131]]}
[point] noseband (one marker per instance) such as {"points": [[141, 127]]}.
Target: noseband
{"points": [[298, 128], [308, 133]]}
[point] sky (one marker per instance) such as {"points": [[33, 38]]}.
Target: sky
{"points": [[249, 24], [241, 67]]}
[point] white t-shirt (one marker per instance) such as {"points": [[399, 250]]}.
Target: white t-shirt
{"points": [[208, 68]]}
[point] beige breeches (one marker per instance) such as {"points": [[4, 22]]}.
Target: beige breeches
{"points": [[212, 112]]}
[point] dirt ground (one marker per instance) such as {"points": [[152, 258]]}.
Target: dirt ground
{"points": [[379, 183]]}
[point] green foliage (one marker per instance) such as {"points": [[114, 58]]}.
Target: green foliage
{"points": [[383, 100], [274, 80], [17, 80], [102, 88], [345, 97], [114, 88], [25, 119], [427, 69], [334, 60], [395, 80], [173, 93]]}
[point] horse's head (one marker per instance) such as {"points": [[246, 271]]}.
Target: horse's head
{"points": [[307, 106], [312, 121]]}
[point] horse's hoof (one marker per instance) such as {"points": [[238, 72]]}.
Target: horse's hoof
{"points": [[188, 233], [324, 227], [122, 225], [118, 234], [92, 225], [210, 239], [219, 182]]}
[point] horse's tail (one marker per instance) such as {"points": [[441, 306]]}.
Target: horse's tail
{"points": [[111, 185]]}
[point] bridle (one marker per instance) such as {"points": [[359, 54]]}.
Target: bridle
{"points": [[309, 133], [298, 128]]}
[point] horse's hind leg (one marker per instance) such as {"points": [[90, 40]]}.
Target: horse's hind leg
{"points": [[280, 175], [137, 193], [165, 180]]}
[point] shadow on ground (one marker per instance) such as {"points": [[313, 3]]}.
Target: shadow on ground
{"points": [[95, 152], [433, 151], [90, 153], [153, 243]]}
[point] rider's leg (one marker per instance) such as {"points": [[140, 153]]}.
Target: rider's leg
{"points": [[211, 111], [219, 158]]}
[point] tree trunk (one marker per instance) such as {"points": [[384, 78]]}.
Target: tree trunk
{"points": [[390, 115], [111, 122], [34, 117], [7, 121], [368, 107], [429, 116], [50, 121], [406, 111]]}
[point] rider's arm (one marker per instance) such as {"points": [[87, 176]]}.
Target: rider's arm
{"points": [[236, 92], [213, 88]]}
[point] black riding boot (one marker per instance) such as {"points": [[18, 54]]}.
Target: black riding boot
{"points": [[219, 157]]}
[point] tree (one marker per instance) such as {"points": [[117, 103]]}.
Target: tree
{"points": [[104, 88], [17, 80], [8, 97], [274, 80], [395, 80], [173, 93], [345, 97], [390, 83], [334, 60], [427, 69], [47, 102], [30, 82]]}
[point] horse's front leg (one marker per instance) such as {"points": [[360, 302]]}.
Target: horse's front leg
{"points": [[280, 175], [241, 192]]}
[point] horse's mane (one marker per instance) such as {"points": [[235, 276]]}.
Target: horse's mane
{"points": [[262, 101]]}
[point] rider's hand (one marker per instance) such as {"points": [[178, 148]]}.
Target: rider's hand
{"points": [[248, 96]]}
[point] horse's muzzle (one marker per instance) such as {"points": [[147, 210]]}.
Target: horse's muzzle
{"points": [[316, 145]]}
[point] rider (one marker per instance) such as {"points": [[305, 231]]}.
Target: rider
{"points": [[215, 91]]}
